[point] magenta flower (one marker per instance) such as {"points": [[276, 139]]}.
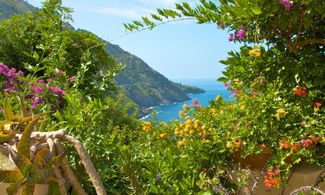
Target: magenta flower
{"points": [[286, 4], [72, 78], [231, 37], [240, 34]]}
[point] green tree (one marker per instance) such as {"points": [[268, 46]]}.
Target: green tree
{"points": [[42, 42], [277, 81]]}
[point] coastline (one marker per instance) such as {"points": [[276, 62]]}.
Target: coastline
{"points": [[148, 111]]}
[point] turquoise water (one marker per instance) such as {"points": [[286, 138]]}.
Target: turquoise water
{"points": [[212, 88]]}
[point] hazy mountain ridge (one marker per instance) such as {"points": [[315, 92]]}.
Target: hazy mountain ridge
{"points": [[140, 83]]}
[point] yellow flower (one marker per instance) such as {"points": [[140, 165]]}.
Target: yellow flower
{"points": [[258, 54], [203, 127], [192, 132], [189, 122], [280, 110], [187, 128], [277, 115], [205, 141], [242, 107], [196, 126], [165, 126], [162, 135], [210, 129], [176, 133], [251, 52], [185, 107], [181, 114], [258, 47], [239, 85], [229, 145], [235, 80], [218, 98]]}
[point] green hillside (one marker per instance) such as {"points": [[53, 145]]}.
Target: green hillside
{"points": [[145, 86], [11, 7], [141, 84]]}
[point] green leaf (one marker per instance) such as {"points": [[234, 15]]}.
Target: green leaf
{"points": [[6, 137], [10, 176], [24, 143], [12, 188], [22, 163], [9, 115], [25, 119], [223, 79], [55, 126], [9, 172], [22, 107], [256, 9], [28, 188], [41, 128], [54, 189]]}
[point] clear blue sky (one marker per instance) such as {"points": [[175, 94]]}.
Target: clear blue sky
{"points": [[179, 50]]}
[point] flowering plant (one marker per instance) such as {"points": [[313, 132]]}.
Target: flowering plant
{"points": [[39, 93], [277, 105]]}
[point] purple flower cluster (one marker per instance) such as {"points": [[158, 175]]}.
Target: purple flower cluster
{"points": [[36, 90], [286, 4], [13, 78], [241, 33]]}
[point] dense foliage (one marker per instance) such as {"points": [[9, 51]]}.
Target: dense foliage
{"points": [[43, 43], [276, 108]]}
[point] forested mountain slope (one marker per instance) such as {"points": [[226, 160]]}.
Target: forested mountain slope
{"points": [[140, 83]]}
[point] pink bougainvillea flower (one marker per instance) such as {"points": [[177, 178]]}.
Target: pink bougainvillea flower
{"points": [[195, 101], [286, 4], [240, 34], [231, 37]]}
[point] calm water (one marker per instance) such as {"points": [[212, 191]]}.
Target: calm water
{"points": [[212, 88]]}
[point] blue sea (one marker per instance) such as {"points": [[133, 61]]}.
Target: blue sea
{"points": [[212, 90]]}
